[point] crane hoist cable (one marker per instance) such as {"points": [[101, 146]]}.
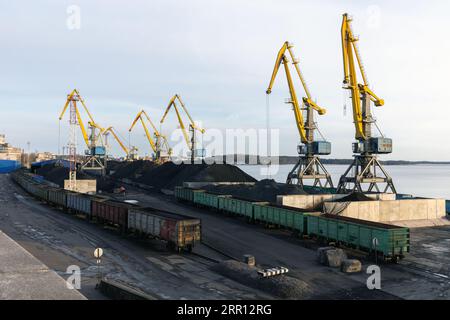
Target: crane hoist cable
{"points": [[349, 53], [192, 124], [75, 96], [307, 101]]}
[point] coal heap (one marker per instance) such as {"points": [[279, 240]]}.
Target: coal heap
{"points": [[355, 196], [114, 165], [264, 190], [58, 174], [169, 174], [131, 170]]}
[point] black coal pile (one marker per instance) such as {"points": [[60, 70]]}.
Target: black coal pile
{"points": [[355, 196], [114, 165], [131, 170], [264, 190], [104, 184], [169, 175], [58, 174]]}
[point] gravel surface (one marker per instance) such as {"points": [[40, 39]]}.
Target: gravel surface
{"points": [[282, 286], [60, 240]]}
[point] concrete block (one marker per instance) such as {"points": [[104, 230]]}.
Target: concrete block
{"points": [[302, 201], [335, 257], [389, 210], [249, 260], [83, 186], [382, 196], [351, 266], [321, 254], [331, 256], [313, 201]]}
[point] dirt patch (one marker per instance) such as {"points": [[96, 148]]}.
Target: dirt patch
{"points": [[282, 286]]}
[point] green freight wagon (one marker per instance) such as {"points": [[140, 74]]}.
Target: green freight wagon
{"points": [[206, 199], [393, 241], [186, 194], [239, 206], [286, 217]]}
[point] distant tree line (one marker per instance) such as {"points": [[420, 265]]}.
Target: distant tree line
{"points": [[253, 159]]}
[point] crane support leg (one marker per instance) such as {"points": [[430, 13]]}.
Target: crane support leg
{"points": [[365, 170], [310, 168], [94, 165]]}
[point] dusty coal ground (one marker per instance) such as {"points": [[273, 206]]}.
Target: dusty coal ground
{"points": [[59, 240], [236, 237]]}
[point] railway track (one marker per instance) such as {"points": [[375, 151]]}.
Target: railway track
{"points": [[97, 241], [422, 270]]}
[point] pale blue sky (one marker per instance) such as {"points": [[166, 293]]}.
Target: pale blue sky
{"points": [[219, 56]]}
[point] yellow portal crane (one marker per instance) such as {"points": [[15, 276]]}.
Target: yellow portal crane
{"points": [[161, 147], [192, 125], [349, 52], [364, 168], [306, 137], [95, 160], [309, 166], [75, 96], [131, 153]]}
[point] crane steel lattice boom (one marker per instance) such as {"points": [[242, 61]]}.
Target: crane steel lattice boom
{"points": [[192, 125], [307, 101], [309, 166], [129, 152], [161, 143], [95, 160], [364, 167], [349, 50]]}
